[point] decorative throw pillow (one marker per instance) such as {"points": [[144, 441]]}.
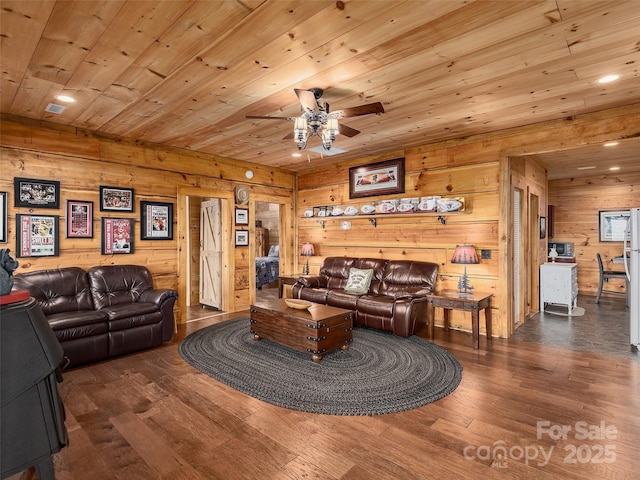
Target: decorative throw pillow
{"points": [[359, 280]]}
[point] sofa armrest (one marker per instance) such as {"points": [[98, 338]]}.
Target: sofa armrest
{"points": [[417, 292], [313, 282], [157, 296], [165, 299]]}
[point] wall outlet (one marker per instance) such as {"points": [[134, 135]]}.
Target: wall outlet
{"points": [[346, 225], [485, 254]]}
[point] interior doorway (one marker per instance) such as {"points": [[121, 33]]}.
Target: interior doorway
{"points": [[267, 252], [190, 200], [210, 271]]}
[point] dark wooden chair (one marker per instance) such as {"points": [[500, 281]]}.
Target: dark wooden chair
{"points": [[605, 275]]}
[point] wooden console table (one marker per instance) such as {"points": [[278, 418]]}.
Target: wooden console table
{"points": [[452, 300]]}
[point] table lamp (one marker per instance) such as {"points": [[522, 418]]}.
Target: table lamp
{"points": [[466, 255], [307, 251]]}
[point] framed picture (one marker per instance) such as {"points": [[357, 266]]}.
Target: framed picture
{"points": [[242, 238], [37, 235], [156, 221], [543, 227], [116, 199], [382, 178], [613, 224], [30, 192], [242, 216], [79, 219], [3, 217], [117, 235]]}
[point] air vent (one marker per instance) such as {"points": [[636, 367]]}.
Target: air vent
{"points": [[55, 108]]}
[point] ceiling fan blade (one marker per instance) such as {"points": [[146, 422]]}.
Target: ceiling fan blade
{"points": [[268, 118], [288, 137], [376, 108], [307, 100], [347, 131]]}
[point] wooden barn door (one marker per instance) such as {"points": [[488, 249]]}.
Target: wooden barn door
{"points": [[211, 254]]}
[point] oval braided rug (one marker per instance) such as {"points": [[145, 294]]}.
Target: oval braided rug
{"points": [[380, 373]]}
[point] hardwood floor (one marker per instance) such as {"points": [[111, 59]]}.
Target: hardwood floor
{"points": [[149, 415]]}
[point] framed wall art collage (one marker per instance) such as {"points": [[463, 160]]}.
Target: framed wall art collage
{"points": [[38, 234]]}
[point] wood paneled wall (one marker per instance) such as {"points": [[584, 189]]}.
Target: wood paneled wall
{"points": [[477, 168], [577, 203], [422, 237], [83, 161], [472, 167]]}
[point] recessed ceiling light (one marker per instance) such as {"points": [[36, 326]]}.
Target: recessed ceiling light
{"points": [[65, 98], [296, 154], [608, 78], [614, 168], [610, 144], [590, 167]]}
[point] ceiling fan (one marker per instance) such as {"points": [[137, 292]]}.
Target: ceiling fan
{"points": [[316, 120]]}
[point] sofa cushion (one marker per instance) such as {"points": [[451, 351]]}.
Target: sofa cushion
{"points": [[116, 312], [336, 271], [408, 278], [65, 320], [378, 305], [135, 321], [358, 281], [342, 299], [118, 284], [57, 290]]}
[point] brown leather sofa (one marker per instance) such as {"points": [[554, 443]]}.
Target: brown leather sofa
{"points": [[103, 312], [397, 296]]}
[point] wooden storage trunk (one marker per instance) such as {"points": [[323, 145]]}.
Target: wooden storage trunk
{"points": [[318, 330]]}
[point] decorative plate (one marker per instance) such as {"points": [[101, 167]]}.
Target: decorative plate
{"points": [[386, 208], [406, 207], [368, 209], [297, 304], [242, 195], [336, 211], [351, 211], [449, 205], [427, 207], [308, 213]]}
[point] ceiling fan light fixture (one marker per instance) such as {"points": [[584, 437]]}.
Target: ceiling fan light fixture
{"points": [[316, 121], [300, 135]]}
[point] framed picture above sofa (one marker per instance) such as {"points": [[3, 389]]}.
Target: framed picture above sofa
{"points": [[116, 199], [79, 219], [30, 192], [381, 178], [37, 235], [117, 235], [156, 221]]}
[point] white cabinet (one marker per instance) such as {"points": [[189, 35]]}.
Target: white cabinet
{"points": [[559, 284]]}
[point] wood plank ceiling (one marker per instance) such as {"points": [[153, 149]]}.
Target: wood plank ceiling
{"points": [[186, 73]]}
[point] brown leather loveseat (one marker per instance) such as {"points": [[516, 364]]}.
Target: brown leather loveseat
{"points": [[103, 312], [396, 298]]}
